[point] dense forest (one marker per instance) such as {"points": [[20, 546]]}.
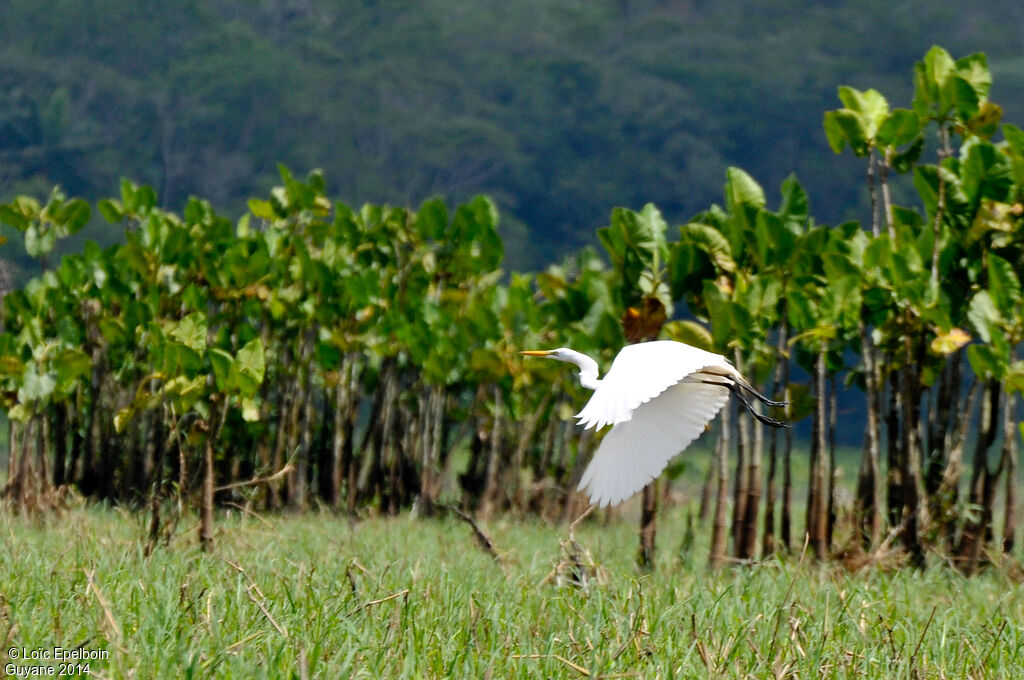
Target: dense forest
{"points": [[558, 110]]}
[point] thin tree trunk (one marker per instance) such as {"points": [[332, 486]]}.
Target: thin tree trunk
{"points": [[817, 507], [547, 453], [867, 511], [489, 500], [341, 433], [60, 442], [648, 525], [206, 504], [1010, 435], [17, 486], [438, 432], [88, 480], [872, 192], [306, 447], [300, 422], [940, 424], [940, 203], [12, 451], [895, 465], [781, 368], [576, 502], [948, 495], [912, 482], [387, 453], [277, 456], [833, 408], [705, 488], [973, 536], [786, 524], [43, 450], [741, 486], [73, 471], [883, 180], [527, 436], [719, 528]]}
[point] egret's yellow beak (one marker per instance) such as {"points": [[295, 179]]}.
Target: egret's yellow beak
{"points": [[536, 352]]}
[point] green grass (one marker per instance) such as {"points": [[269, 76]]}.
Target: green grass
{"points": [[317, 596]]}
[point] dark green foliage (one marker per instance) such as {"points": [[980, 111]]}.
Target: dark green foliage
{"points": [[558, 109]]}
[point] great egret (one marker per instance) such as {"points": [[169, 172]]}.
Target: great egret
{"points": [[658, 397]]}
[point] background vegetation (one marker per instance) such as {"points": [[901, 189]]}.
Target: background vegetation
{"points": [[310, 353], [558, 110]]}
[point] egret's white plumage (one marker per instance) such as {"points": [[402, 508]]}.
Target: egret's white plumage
{"points": [[658, 397]]}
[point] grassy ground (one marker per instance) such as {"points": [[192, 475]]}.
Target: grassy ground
{"points": [[316, 596]]}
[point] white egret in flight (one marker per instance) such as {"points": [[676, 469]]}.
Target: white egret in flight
{"points": [[658, 397]]}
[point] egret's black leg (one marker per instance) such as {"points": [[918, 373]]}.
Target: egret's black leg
{"points": [[760, 397], [735, 389], [732, 380]]}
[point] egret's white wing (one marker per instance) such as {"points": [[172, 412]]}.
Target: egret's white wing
{"points": [[640, 373], [635, 451]]}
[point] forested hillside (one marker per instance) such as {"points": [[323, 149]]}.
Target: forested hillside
{"points": [[559, 110]]}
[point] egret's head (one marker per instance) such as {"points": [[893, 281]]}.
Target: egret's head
{"points": [[587, 366], [560, 354]]}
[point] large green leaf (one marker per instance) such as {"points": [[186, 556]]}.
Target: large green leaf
{"points": [[643, 233], [794, 207], [35, 386], [986, 362], [974, 70], [432, 219], [1004, 284], [964, 97], [719, 314], [185, 393], [1014, 139], [221, 362], [690, 332], [900, 127], [72, 216], [983, 314], [191, 331], [904, 161], [113, 330], [9, 215], [844, 127], [111, 210], [870, 105], [70, 365], [761, 298], [712, 242], [614, 242], [248, 368], [742, 189], [930, 77], [986, 172], [39, 240], [985, 122]]}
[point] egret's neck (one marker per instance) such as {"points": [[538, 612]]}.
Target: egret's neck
{"points": [[588, 370]]}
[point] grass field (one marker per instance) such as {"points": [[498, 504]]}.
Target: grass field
{"points": [[318, 596]]}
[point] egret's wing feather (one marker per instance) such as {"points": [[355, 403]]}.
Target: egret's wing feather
{"points": [[635, 451], [640, 373]]}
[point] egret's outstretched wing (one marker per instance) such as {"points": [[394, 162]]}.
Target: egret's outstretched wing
{"points": [[640, 373], [636, 450]]}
